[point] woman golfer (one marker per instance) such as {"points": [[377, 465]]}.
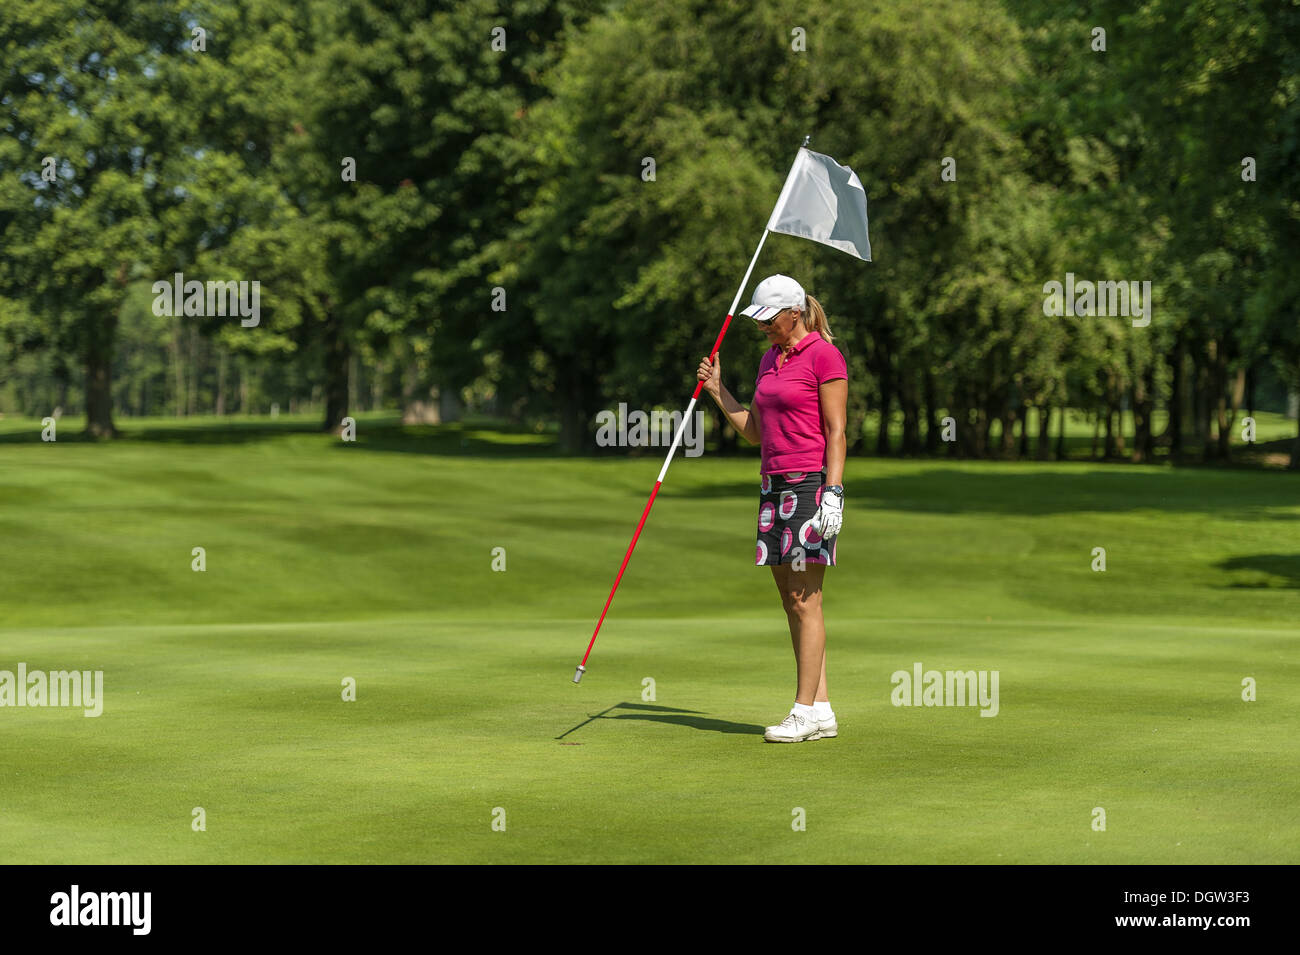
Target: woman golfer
{"points": [[797, 417]]}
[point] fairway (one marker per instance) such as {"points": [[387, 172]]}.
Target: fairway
{"points": [[373, 561]]}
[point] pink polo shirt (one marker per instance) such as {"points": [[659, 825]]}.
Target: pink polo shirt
{"points": [[789, 406]]}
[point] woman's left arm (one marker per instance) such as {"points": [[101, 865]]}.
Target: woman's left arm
{"points": [[834, 397]]}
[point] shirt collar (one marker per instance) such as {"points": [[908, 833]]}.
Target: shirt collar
{"points": [[802, 343]]}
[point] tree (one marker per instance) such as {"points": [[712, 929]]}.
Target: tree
{"points": [[91, 131]]}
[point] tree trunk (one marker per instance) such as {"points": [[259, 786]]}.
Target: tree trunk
{"points": [[1177, 389], [932, 428], [911, 420], [959, 411], [1042, 448], [192, 398], [352, 380], [178, 368], [1008, 439], [1149, 390], [983, 429], [1142, 396], [99, 387], [1137, 399], [377, 391], [1250, 390], [338, 351], [1228, 413], [450, 407], [62, 402], [882, 429], [1060, 433], [409, 381], [573, 421], [221, 383], [1205, 403]]}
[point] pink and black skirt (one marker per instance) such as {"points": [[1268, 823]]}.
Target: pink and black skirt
{"points": [[787, 506]]}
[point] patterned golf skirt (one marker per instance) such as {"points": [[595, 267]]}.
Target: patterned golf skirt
{"points": [[787, 504]]}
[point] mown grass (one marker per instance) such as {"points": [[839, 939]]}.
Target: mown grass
{"points": [[374, 561]]}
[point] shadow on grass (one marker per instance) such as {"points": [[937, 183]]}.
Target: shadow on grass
{"points": [[232, 431], [1035, 492], [667, 714], [1285, 566], [242, 432], [453, 440], [476, 439]]}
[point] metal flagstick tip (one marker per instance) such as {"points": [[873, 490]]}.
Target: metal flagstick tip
{"points": [[577, 674], [807, 139]]}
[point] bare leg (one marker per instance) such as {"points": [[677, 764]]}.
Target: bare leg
{"points": [[781, 575], [823, 695], [801, 596]]}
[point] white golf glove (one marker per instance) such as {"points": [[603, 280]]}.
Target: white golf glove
{"points": [[830, 517]]}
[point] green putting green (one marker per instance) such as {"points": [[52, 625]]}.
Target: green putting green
{"points": [[1119, 690]]}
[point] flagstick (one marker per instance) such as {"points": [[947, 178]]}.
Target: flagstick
{"points": [[677, 439]]}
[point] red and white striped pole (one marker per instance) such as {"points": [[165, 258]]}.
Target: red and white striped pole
{"points": [[677, 439]]}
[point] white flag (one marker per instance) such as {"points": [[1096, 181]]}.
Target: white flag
{"points": [[823, 201]]}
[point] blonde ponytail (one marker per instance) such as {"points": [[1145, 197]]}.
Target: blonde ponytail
{"points": [[814, 318]]}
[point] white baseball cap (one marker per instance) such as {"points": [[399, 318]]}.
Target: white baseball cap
{"points": [[773, 294]]}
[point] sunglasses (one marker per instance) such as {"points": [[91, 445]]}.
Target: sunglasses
{"points": [[769, 322]]}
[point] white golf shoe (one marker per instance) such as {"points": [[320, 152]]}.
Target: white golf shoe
{"points": [[795, 728]]}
